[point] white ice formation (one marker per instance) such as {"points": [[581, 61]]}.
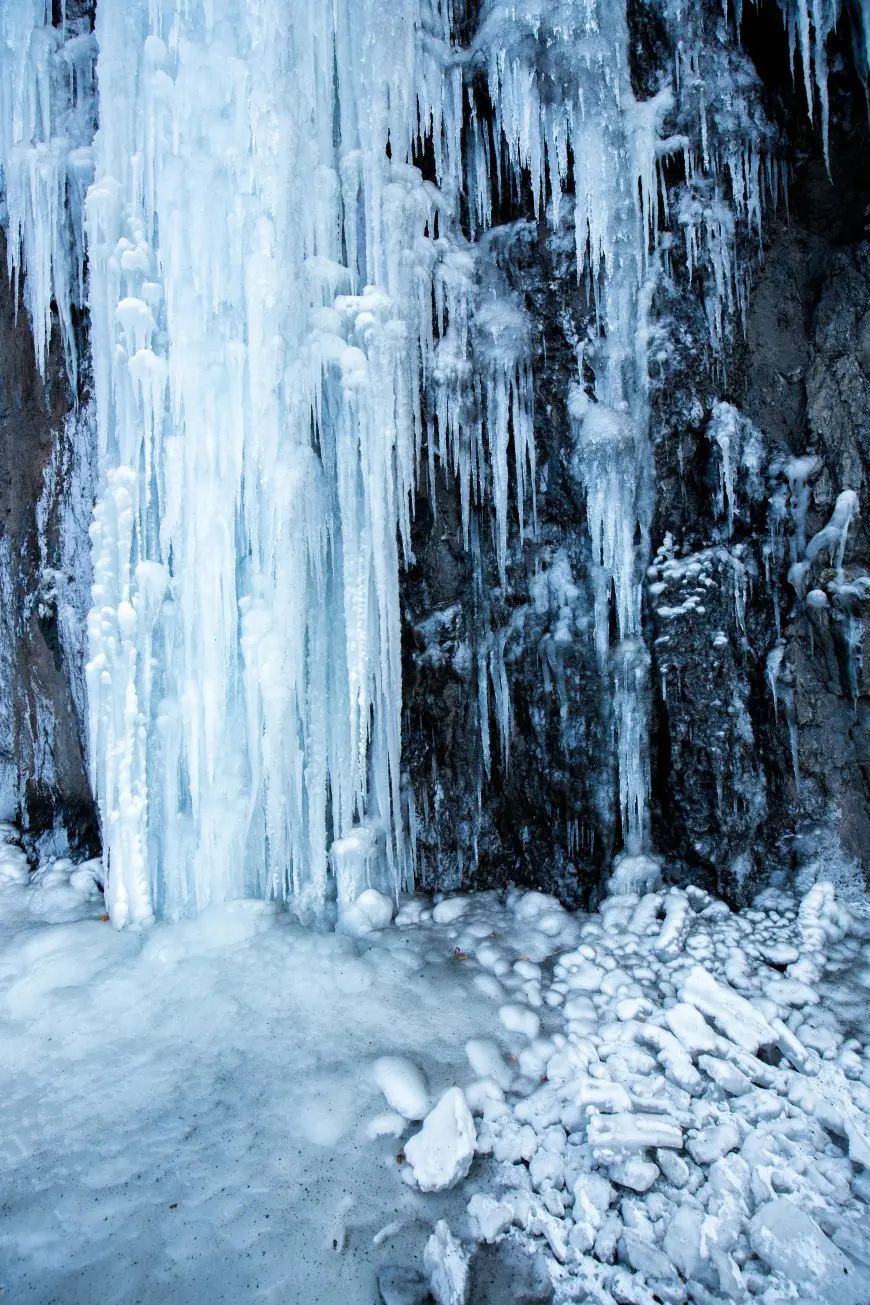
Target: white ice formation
{"points": [[290, 326]]}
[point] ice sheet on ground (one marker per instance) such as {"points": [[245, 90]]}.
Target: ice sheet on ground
{"points": [[200, 1108]]}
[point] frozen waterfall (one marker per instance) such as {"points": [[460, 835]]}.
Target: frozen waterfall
{"points": [[296, 314]]}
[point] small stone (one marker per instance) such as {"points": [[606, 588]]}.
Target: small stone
{"points": [[399, 1285], [505, 1274]]}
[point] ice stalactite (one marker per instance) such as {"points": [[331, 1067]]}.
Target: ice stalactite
{"points": [[614, 141], [46, 126]]}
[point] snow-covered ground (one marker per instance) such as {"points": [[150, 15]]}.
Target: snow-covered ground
{"points": [[666, 1101]]}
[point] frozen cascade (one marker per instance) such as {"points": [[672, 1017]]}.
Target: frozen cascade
{"points": [[260, 417], [259, 391], [271, 387]]}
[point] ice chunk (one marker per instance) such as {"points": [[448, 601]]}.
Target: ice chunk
{"points": [[636, 1174], [634, 874], [593, 1196], [447, 1265], [793, 1244], [675, 928], [487, 1061], [488, 1217], [738, 1019], [403, 1084], [633, 1132], [644, 1258], [441, 1154], [689, 1026], [371, 911], [451, 909], [520, 1019], [683, 1240], [390, 1124], [731, 1079], [711, 1143]]}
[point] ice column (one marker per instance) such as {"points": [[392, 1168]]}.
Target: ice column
{"points": [[270, 287]]}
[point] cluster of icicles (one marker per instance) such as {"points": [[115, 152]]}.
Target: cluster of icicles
{"points": [[288, 330]]}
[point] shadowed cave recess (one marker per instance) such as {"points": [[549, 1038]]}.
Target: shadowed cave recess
{"points": [[435, 441]]}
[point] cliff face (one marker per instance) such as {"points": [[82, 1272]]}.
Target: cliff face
{"points": [[758, 700], [45, 505], [753, 710]]}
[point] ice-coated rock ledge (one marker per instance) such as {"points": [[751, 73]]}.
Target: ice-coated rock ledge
{"points": [[673, 1101]]}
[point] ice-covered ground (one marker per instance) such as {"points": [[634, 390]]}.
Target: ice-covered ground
{"points": [[667, 1101]]}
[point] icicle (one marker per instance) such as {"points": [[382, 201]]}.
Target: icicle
{"points": [[46, 124]]}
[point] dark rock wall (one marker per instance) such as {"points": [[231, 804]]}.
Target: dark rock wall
{"points": [[43, 780], [725, 738], [727, 798]]}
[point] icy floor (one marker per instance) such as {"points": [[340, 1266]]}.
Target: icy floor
{"points": [[677, 1107]]}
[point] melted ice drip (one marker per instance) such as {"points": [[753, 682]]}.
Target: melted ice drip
{"points": [[263, 276]]}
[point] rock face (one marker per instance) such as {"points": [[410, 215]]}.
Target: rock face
{"points": [[44, 575], [758, 699], [760, 715]]}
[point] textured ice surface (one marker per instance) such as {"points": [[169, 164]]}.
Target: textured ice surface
{"points": [[195, 1110], [184, 1114]]}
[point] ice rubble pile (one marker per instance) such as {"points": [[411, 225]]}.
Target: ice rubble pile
{"points": [[685, 1112]]}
